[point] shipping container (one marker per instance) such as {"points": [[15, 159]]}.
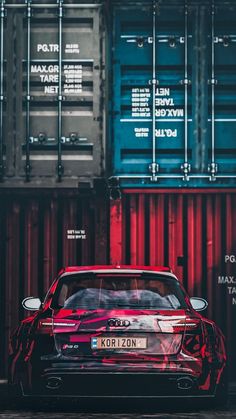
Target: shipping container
{"points": [[41, 233], [193, 232], [52, 109], [190, 231], [164, 71], [174, 98]]}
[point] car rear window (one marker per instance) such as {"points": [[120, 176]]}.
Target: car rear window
{"points": [[129, 291]]}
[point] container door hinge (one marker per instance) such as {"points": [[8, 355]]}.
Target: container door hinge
{"points": [[186, 169], [186, 82], [60, 171], [213, 169], [27, 171], [153, 82], [154, 169], [213, 82]]}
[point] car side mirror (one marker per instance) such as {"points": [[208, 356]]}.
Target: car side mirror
{"points": [[31, 303], [198, 304]]}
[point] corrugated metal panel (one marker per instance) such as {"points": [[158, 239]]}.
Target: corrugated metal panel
{"points": [[190, 232], [174, 93], [223, 89], [52, 93], [34, 245]]}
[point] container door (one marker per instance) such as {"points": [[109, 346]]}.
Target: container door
{"points": [[222, 91], [152, 91], [57, 118]]}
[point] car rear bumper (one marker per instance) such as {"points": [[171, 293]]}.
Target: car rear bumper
{"points": [[82, 384]]}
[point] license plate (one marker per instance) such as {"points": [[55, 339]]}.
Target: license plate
{"points": [[118, 343]]}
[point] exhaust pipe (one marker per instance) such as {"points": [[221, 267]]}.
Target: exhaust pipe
{"points": [[53, 383], [185, 383]]}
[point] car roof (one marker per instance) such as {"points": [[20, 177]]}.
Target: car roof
{"points": [[117, 268]]}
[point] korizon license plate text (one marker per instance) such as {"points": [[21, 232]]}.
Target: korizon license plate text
{"points": [[120, 343]]}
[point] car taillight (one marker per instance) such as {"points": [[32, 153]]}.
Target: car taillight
{"points": [[179, 325], [50, 325]]}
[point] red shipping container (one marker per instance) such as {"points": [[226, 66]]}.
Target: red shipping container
{"points": [[190, 231]]}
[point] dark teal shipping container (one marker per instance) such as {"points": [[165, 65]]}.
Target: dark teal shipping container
{"points": [[174, 93]]}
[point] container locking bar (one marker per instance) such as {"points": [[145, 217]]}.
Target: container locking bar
{"points": [[28, 98], [213, 167], [154, 167], [2, 15], [185, 167], [59, 121]]}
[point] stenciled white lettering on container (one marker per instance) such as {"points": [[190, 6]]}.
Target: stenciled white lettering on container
{"points": [[141, 98], [166, 109], [140, 102], [72, 49], [49, 73], [162, 133], [169, 113], [76, 234], [69, 48], [47, 48], [164, 101], [141, 132], [44, 68], [73, 78], [51, 89], [163, 91], [229, 281], [49, 77]]}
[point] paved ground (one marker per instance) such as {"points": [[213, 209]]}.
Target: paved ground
{"points": [[230, 413], [101, 410]]}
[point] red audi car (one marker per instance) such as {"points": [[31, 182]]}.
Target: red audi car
{"points": [[118, 331]]}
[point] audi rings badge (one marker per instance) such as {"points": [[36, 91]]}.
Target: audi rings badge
{"points": [[118, 323]]}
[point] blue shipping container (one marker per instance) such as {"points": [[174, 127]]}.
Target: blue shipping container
{"points": [[174, 94]]}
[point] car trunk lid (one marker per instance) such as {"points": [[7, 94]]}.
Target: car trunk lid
{"points": [[119, 333]]}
